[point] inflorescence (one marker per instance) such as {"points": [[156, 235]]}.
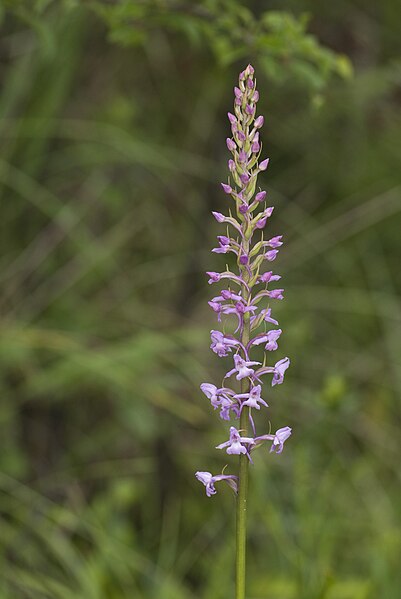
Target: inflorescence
{"points": [[246, 289]]}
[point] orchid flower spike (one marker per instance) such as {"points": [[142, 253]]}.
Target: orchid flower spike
{"points": [[242, 305]]}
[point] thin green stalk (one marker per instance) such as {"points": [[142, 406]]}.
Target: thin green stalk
{"points": [[241, 518], [242, 497]]}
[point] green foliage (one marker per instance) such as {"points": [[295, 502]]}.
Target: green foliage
{"points": [[233, 33], [110, 154], [228, 28]]}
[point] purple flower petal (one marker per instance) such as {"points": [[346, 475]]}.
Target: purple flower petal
{"points": [[260, 196], [271, 255], [207, 479], [263, 165], [280, 437], [226, 188], [219, 217], [279, 370]]}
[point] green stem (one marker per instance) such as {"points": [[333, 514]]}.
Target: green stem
{"points": [[242, 497], [241, 518]]}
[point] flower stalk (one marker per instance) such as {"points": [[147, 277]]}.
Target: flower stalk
{"points": [[243, 470], [242, 304]]}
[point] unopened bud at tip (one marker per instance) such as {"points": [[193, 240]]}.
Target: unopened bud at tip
{"points": [[219, 217]]}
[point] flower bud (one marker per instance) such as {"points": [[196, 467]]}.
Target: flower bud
{"points": [[271, 255], [261, 223], [249, 70], [226, 294], [219, 217], [275, 242], [265, 278], [276, 294], [214, 277], [240, 306], [215, 306], [263, 164], [223, 239]]}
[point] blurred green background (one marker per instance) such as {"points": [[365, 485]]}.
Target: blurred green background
{"points": [[113, 125]]}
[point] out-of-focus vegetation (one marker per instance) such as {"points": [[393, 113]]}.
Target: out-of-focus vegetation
{"points": [[113, 120]]}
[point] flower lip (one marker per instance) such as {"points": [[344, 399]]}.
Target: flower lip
{"points": [[242, 368], [237, 445], [252, 398]]}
